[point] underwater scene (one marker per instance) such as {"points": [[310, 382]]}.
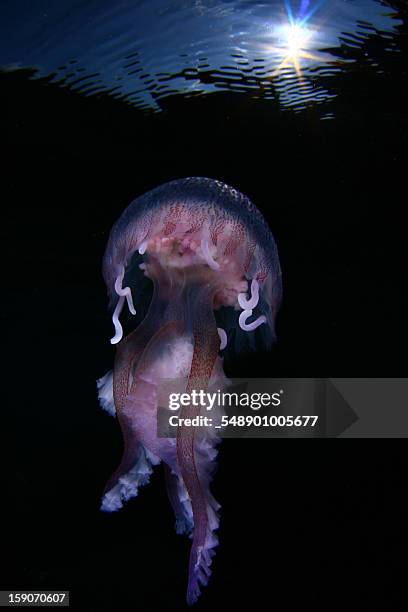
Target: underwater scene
{"points": [[204, 200]]}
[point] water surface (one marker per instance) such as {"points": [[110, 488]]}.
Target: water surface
{"points": [[144, 51]]}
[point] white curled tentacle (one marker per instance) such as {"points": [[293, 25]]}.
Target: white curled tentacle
{"points": [[115, 318], [207, 255], [223, 337], [124, 291], [245, 314], [143, 247], [252, 302]]}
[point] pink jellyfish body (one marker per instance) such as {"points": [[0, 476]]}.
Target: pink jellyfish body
{"points": [[205, 247]]}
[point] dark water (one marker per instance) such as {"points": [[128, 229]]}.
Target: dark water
{"points": [[101, 101]]}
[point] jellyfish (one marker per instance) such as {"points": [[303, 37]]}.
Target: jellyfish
{"points": [[204, 248]]}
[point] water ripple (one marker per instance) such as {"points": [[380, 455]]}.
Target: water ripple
{"points": [[145, 51]]}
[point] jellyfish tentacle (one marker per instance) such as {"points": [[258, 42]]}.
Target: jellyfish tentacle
{"points": [[245, 314], [206, 347], [124, 291], [252, 302], [205, 249], [223, 338], [143, 247], [115, 319]]}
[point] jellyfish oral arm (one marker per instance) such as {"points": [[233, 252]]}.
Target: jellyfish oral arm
{"points": [[206, 347], [127, 357]]}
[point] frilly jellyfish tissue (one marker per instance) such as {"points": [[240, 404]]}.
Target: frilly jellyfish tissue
{"points": [[204, 247]]}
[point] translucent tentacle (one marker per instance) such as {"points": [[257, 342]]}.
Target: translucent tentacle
{"points": [[252, 302], [245, 314], [223, 338], [207, 255], [115, 318], [124, 291]]}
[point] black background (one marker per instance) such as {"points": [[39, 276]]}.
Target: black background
{"points": [[304, 523]]}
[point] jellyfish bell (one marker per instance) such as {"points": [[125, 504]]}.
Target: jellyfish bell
{"points": [[205, 248], [196, 229]]}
